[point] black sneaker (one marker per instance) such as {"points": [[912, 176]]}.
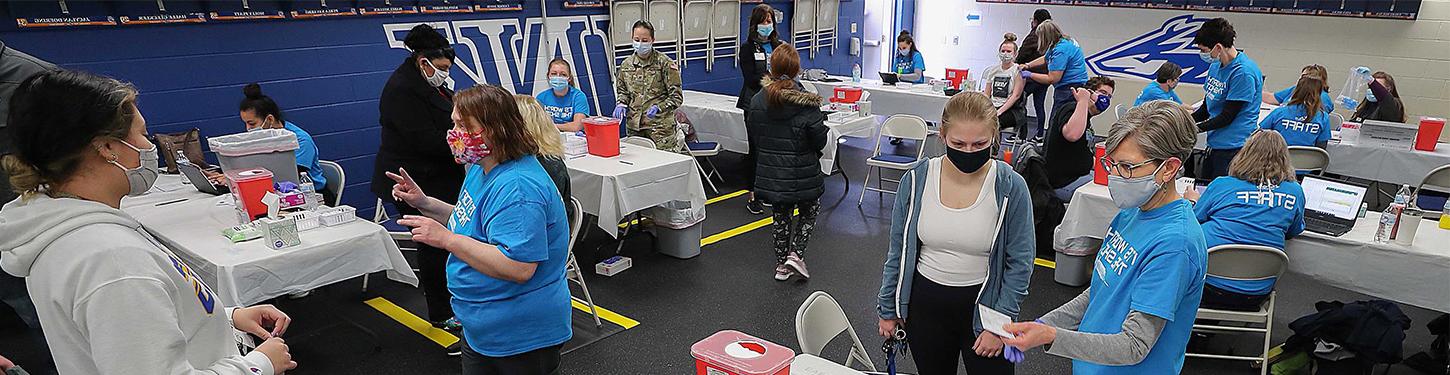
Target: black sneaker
{"points": [[755, 206], [456, 350]]}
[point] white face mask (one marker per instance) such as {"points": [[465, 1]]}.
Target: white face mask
{"points": [[439, 76], [1005, 57], [144, 176], [643, 48], [1133, 192]]}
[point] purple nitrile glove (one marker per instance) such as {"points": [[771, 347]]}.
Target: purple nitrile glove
{"points": [[1012, 354], [1026, 74], [653, 111], [620, 110]]}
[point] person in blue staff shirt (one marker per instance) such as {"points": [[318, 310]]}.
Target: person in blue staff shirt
{"points": [[907, 63], [1257, 203], [508, 237], [1162, 89], [1315, 70], [566, 104], [1302, 121], [258, 111], [1235, 86], [1137, 315], [1066, 66]]}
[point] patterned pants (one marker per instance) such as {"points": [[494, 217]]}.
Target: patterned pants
{"points": [[791, 235]]}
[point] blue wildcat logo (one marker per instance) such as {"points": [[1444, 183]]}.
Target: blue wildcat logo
{"points": [[1140, 57]]}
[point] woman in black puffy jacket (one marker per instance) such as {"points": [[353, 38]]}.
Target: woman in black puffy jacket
{"points": [[761, 39], [788, 130]]}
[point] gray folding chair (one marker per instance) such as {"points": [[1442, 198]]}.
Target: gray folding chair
{"points": [[1247, 263], [819, 320], [336, 180], [571, 271], [1308, 159], [897, 127]]}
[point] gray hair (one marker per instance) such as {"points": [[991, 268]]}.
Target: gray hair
{"points": [[1048, 34], [1162, 128]]}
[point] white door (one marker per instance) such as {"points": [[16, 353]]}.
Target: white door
{"points": [[878, 37]]}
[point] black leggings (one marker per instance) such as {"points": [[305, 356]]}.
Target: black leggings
{"points": [[791, 236], [432, 275], [1215, 298], [939, 330]]}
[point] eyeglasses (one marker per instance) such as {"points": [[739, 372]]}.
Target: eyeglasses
{"points": [[1124, 169]]}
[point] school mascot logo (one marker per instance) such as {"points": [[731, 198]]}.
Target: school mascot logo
{"points": [[1140, 57]]}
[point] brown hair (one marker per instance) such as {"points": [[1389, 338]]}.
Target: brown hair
{"points": [[1307, 92], [493, 108], [565, 63], [1095, 82], [1318, 71], [784, 64], [1263, 160], [54, 118], [1048, 34], [969, 107], [541, 126], [1009, 38], [757, 16]]}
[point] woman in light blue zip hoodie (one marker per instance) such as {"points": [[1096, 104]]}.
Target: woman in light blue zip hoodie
{"points": [[961, 235]]}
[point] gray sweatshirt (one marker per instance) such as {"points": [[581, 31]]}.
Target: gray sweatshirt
{"points": [[1128, 347], [113, 300]]}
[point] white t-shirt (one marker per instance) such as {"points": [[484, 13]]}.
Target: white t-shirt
{"points": [[956, 243], [999, 83]]}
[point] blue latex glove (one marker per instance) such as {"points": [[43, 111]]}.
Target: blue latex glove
{"points": [[1362, 70], [1012, 354], [653, 111], [620, 111]]}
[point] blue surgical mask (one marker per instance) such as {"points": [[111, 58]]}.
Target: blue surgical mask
{"points": [[642, 48], [558, 83], [1103, 102], [1133, 192], [1206, 56], [765, 29], [1369, 96]]}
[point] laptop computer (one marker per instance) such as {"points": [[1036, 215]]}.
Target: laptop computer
{"points": [[889, 78], [1332, 205], [198, 179]]}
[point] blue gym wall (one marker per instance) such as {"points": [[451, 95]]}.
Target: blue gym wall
{"points": [[327, 73]]}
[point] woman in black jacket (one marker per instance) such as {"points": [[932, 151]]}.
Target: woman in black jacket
{"points": [[1382, 103], [414, 112], [754, 59], [788, 131]]}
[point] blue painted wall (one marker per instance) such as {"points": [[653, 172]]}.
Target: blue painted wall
{"points": [[327, 73]]}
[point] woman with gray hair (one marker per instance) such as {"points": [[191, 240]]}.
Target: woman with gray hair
{"points": [[1138, 314]]}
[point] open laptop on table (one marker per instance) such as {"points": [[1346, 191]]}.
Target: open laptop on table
{"points": [[1332, 205], [197, 178], [889, 78]]}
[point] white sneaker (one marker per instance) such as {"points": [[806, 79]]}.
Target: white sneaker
{"points": [[799, 265], [783, 273]]}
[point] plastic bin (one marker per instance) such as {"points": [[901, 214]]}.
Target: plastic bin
{"points": [[956, 76], [846, 94], [602, 135], [1100, 173], [249, 186], [273, 149], [734, 353], [678, 227], [1075, 257]]}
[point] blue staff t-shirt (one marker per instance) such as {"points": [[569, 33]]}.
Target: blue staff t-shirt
{"points": [[1240, 80], [1297, 127], [307, 155], [562, 108], [1325, 104], [911, 64], [516, 208], [1234, 211], [1151, 262], [1066, 57], [1154, 91]]}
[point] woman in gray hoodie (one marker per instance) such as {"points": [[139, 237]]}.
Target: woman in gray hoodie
{"points": [[111, 298]]}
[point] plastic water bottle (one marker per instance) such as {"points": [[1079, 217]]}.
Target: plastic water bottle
{"points": [[1355, 86], [181, 158], [309, 192], [1390, 220], [856, 73]]}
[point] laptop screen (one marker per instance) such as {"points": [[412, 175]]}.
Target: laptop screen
{"points": [[1332, 197]]}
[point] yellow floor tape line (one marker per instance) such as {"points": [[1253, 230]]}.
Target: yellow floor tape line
{"points": [[739, 230], [726, 196], [605, 314], [1045, 263], [413, 322]]}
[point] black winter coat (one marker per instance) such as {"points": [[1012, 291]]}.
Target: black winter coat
{"points": [[787, 142], [415, 121], [752, 69]]}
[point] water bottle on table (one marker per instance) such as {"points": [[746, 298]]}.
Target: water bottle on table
{"points": [[1390, 220], [856, 73], [309, 192], [1355, 86]]}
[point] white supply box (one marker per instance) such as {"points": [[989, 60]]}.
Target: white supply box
{"points": [[1383, 134]]}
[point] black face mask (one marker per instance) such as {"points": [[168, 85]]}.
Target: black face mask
{"points": [[969, 162]]}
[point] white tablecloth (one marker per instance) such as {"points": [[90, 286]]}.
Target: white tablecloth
{"points": [[639, 178], [1398, 166], [1417, 275], [249, 272], [889, 100], [717, 120]]}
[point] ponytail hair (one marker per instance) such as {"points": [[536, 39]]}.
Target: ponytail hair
{"points": [[785, 63], [1009, 38], [259, 104], [905, 36], [54, 118]]}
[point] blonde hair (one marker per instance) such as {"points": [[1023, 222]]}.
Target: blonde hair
{"points": [[540, 126], [1048, 34], [1263, 160], [969, 107]]}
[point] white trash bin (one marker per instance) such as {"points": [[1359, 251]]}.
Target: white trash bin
{"points": [[1075, 257], [679, 227], [273, 149]]}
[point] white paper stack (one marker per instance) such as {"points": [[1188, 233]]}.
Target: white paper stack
{"points": [[574, 145]]}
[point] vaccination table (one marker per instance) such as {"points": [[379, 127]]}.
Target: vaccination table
{"points": [[717, 120], [190, 222], [889, 100], [1417, 275], [639, 178], [1394, 165]]}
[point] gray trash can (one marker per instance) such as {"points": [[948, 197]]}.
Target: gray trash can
{"points": [[1075, 257], [678, 225], [273, 149]]}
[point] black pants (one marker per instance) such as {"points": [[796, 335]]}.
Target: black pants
{"points": [[1215, 298], [538, 362], [1015, 118], [1216, 163], [939, 330], [791, 236], [1038, 92], [432, 275]]}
